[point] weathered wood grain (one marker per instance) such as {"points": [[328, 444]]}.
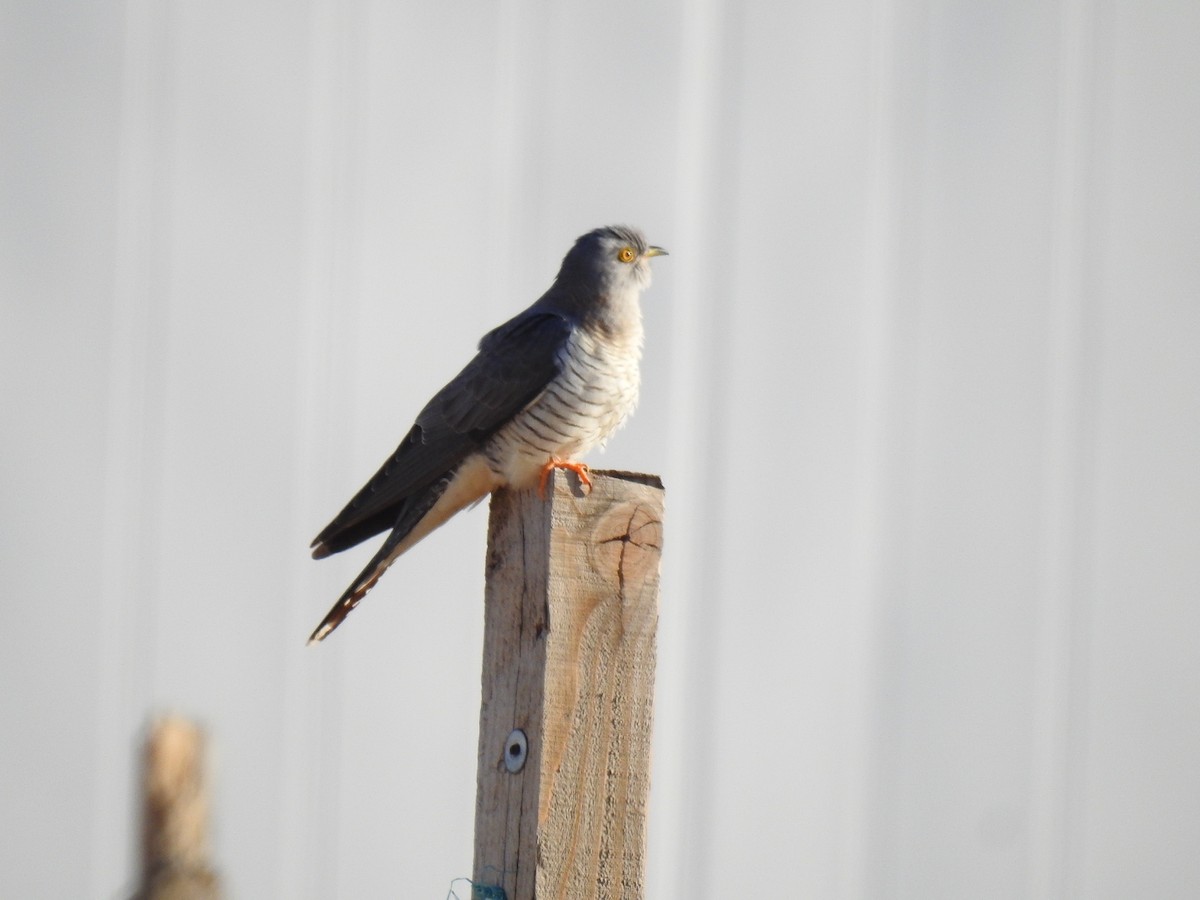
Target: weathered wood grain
{"points": [[571, 612]]}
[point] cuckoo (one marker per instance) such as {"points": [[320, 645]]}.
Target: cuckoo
{"points": [[546, 387]]}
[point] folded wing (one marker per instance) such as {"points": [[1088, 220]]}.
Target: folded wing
{"points": [[514, 365]]}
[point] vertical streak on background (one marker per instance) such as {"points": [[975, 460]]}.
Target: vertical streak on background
{"points": [[312, 820], [1067, 421], [133, 440], [308, 855], [505, 157], [859, 873], [1095, 137], [702, 304], [519, 154], [526, 30], [671, 853], [907, 130]]}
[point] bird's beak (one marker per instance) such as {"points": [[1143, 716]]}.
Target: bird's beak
{"points": [[656, 251]]}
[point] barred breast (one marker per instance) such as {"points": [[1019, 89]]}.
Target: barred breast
{"points": [[591, 397]]}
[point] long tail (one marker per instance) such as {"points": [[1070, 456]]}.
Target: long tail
{"points": [[422, 513], [417, 508]]}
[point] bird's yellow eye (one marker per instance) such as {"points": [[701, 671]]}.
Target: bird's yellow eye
{"points": [[626, 254]]}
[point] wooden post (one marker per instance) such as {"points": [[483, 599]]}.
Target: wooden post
{"points": [[175, 862], [571, 612]]}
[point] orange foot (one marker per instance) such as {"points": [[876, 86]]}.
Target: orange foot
{"points": [[580, 469]]}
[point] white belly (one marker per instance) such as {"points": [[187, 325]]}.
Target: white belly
{"points": [[591, 397]]}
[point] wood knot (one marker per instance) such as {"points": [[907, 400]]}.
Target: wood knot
{"points": [[626, 539]]}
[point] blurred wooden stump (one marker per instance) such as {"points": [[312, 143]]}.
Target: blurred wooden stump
{"points": [[175, 851]]}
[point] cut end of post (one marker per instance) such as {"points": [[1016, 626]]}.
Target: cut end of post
{"points": [[651, 481]]}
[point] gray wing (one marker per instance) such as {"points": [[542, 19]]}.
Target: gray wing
{"points": [[514, 364]]}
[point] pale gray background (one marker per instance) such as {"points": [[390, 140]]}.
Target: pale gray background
{"points": [[921, 378]]}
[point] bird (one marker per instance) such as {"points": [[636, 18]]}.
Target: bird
{"points": [[544, 388]]}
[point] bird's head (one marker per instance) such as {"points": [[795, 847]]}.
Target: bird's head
{"points": [[611, 261]]}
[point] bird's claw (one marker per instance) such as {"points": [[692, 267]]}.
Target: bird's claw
{"points": [[580, 469]]}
